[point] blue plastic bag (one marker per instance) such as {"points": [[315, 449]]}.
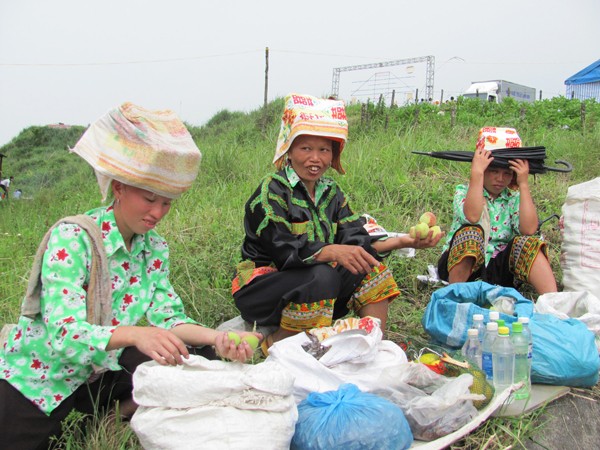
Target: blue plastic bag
{"points": [[349, 419], [449, 313], [564, 352]]}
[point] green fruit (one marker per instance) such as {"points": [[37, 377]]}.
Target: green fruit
{"points": [[233, 336], [422, 230], [436, 230], [251, 340], [412, 232]]}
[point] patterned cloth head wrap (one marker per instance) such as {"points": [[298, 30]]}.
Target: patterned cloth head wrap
{"points": [[498, 138], [151, 150], [494, 138], [304, 114]]}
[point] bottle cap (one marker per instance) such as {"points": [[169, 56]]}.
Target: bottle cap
{"points": [[492, 326], [517, 327], [494, 315], [503, 331], [473, 332], [477, 316], [524, 319], [500, 322]]}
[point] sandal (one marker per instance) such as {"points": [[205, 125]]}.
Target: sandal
{"points": [[265, 344]]}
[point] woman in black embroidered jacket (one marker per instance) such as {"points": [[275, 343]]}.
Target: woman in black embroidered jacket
{"points": [[306, 257]]}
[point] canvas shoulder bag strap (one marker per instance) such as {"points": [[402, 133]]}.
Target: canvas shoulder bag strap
{"points": [[98, 301]]}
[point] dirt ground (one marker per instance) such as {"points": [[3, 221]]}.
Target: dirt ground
{"points": [[571, 422]]}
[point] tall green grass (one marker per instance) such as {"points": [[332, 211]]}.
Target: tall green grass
{"points": [[384, 179]]}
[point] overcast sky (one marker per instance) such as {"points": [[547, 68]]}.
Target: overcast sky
{"points": [[72, 60]]}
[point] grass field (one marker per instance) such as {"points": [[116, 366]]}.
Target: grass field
{"points": [[384, 179]]}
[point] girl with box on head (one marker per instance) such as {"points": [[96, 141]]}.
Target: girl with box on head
{"points": [[495, 219], [306, 257], [78, 342]]}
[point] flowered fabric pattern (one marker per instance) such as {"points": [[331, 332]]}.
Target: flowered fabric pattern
{"points": [[304, 316], [504, 218], [130, 143], [492, 138], [305, 114], [49, 357]]}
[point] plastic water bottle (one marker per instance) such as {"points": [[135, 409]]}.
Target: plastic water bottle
{"points": [[494, 316], [479, 326], [527, 334], [503, 360], [522, 368], [491, 333], [472, 347]]}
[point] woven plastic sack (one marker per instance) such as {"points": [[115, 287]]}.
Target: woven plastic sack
{"points": [[580, 237], [348, 419], [218, 405], [449, 313]]}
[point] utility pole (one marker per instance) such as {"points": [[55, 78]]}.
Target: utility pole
{"points": [[264, 122], [266, 75], [1, 158]]}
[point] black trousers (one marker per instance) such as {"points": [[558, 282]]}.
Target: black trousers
{"points": [[265, 297], [23, 426]]}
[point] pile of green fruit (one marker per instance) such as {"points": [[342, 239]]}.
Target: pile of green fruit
{"points": [[427, 223], [251, 339]]}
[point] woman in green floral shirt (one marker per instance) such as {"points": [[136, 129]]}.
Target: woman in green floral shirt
{"points": [[57, 361]]}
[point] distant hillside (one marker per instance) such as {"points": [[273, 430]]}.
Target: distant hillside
{"points": [[39, 158]]}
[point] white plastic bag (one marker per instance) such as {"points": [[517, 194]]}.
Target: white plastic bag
{"points": [[504, 305], [206, 404], [433, 404], [360, 364], [580, 230], [374, 229], [448, 407], [578, 305]]}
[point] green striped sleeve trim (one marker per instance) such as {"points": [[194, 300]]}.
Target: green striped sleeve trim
{"points": [[263, 199]]}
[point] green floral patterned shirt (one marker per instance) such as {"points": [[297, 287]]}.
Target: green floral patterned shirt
{"points": [[504, 218], [49, 357]]}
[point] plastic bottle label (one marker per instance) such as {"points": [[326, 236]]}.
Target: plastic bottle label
{"points": [[487, 365]]}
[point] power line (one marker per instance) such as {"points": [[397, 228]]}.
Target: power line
{"points": [[115, 63], [200, 57]]}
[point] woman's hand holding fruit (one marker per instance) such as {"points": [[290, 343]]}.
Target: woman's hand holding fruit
{"points": [[237, 346]]}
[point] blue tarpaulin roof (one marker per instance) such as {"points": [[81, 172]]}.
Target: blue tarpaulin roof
{"points": [[588, 75]]}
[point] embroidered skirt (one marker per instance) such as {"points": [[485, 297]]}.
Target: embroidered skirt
{"points": [[513, 263], [309, 297]]}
